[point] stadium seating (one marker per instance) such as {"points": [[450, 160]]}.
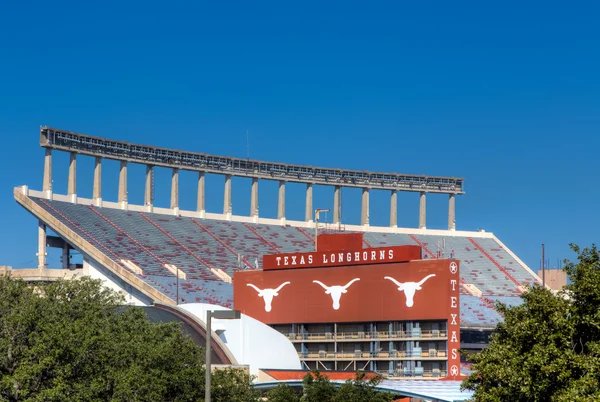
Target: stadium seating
{"points": [[196, 245], [474, 312]]}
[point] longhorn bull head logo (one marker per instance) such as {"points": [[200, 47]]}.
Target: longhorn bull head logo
{"points": [[268, 294], [336, 291], [409, 288]]}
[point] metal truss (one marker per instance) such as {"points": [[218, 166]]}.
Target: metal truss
{"points": [[119, 150]]}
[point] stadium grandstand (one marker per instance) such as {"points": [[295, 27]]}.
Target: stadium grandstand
{"points": [[175, 256]]}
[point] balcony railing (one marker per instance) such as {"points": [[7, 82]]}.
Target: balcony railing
{"points": [[430, 354], [380, 335]]}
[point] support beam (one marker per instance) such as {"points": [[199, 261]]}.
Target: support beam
{"points": [[175, 189], [98, 182], [41, 254], [65, 256], [47, 185], [123, 185], [337, 204], [394, 209], [364, 217], [451, 213], [254, 198], [309, 202], [281, 201], [422, 211], [200, 207], [149, 187], [72, 188], [227, 196]]}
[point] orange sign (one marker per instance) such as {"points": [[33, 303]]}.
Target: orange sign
{"points": [[338, 258], [415, 290]]}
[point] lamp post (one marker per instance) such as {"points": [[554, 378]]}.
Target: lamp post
{"points": [[221, 315], [317, 223]]}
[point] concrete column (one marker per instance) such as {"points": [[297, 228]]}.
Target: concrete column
{"points": [[451, 213], [47, 185], [227, 196], [422, 211], [98, 182], [123, 185], [337, 202], [200, 207], [309, 203], [394, 209], [41, 254], [281, 202], [364, 217], [65, 256], [254, 198], [148, 197], [175, 189], [72, 188]]}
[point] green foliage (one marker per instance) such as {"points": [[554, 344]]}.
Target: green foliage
{"points": [[232, 385], [68, 342], [547, 349], [282, 393], [318, 388], [362, 389]]}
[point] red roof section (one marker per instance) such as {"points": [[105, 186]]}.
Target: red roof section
{"points": [[282, 375]]}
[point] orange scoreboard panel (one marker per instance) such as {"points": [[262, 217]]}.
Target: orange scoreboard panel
{"points": [[415, 290]]}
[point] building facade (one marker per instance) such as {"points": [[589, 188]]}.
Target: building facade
{"points": [[348, 308]]}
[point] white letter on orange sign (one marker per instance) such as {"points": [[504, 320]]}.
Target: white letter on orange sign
{"points": [[365, 255], [454, 354], [390, 254], [285, 260], [453, 301], [453, 319], [357, 256], [454, 338], [278, 259], [325, 259], [373, 255], [293, 260], [302, 262], [381, 254], [341, 257], [349, 257], [310, 258], [453, 282]]}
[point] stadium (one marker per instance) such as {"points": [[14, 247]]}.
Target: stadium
{"points": [[183, 261]]}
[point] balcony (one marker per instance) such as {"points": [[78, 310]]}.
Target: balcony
{"points": [[432, 335], [431, 354]]}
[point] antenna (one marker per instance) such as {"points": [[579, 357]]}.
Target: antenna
{"points": [[247, 145]]}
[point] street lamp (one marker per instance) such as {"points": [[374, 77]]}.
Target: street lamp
{"points": [[221, 315], [317, 223]]}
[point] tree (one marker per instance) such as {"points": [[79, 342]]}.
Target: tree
{"points": [[317, 388], [233, 385], [362, 389], [282, 393], [548, 348], [73, 341]]}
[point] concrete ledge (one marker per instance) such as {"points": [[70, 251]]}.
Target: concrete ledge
{"points": [[41, 274]]}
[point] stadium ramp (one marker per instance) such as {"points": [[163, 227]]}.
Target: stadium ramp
{"points": [[86, 247]]}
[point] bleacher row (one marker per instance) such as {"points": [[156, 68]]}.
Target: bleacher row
{"points": [[196, 246]]}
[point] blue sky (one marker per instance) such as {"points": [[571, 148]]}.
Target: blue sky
{"points": [[505, 94]]}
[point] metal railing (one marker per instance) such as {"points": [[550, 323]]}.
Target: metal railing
{"points": [[379, 335]]}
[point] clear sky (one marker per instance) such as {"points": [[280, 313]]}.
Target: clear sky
{"points": [[503, 93]]}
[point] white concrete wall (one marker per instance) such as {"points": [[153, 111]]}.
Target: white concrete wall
{"points": [[252, 343], [132, 296]]}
